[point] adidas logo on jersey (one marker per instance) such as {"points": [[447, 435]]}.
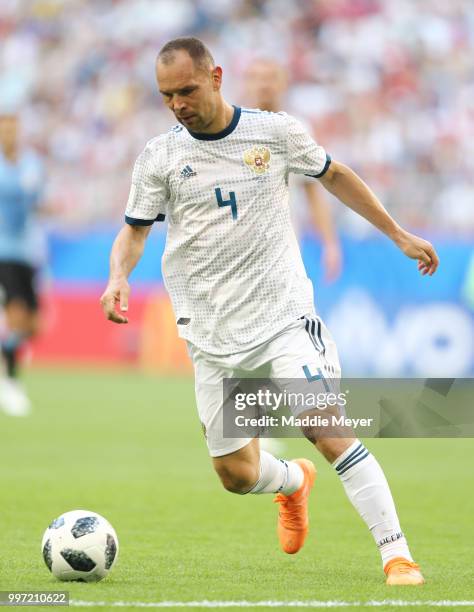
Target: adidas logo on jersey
{"points": [[187, 172]]}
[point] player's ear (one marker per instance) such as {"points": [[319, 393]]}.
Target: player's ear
{"points": [[216, 77]]}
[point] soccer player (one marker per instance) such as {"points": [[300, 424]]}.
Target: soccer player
{"points": [[266, 83], [21, 181], [239, 290]]}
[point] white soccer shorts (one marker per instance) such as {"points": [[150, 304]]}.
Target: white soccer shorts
{"points": [[298, 351]]}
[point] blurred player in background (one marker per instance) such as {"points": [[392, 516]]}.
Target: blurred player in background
{"points": [[266, 84], [265, 88], [240, 293], [21, 183]]}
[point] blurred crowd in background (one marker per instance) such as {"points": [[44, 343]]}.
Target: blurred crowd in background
{"points": [[386, 85]]}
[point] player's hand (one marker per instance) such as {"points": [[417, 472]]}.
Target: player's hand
{"points": [[422, 250], [116, 294]]}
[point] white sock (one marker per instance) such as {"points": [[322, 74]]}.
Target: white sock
{"points": [[277, 475], [367, 488]]}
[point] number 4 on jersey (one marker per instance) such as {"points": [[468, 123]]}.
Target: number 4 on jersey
{"points": [[232, 202]]}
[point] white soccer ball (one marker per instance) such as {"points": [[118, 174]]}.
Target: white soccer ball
{"points": [[80, 545]]}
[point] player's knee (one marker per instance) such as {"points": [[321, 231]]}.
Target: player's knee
{"points": [[332, 448], [19, 316], [237, 479], [310, 434]]}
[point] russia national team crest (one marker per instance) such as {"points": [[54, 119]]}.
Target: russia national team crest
{"points": [[257, 159]]}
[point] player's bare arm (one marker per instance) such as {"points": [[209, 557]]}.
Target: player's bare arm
{"points": [[344, 183], [126, 252]]}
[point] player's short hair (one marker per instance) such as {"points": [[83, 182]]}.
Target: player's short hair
{"points": [[195, 48]]}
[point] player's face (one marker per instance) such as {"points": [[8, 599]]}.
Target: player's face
{"points": [[190, 92], [8, 131], [266, 82]]}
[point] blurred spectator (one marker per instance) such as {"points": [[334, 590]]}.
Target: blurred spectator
{"points": [[388, 86]]}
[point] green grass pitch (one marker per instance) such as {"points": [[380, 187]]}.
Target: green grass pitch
{"points": [[130, 447]]}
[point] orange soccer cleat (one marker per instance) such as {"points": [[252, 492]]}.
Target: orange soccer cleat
{"points": [[293, 523], [401, 572]]}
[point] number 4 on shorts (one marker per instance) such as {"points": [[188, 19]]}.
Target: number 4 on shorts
{"points": [[312, 377]]}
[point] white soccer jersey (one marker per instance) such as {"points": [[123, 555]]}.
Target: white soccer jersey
{"points": [[232, 265]]}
